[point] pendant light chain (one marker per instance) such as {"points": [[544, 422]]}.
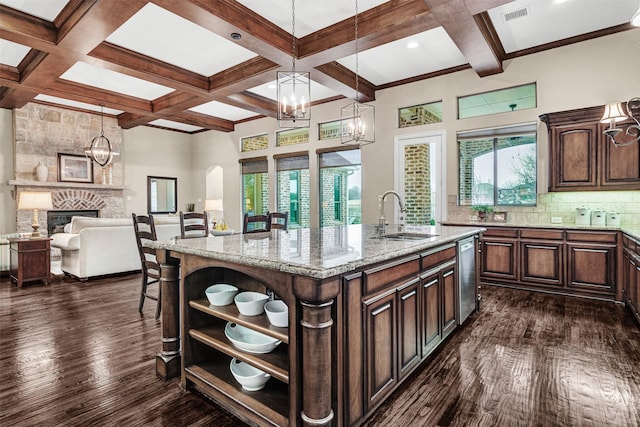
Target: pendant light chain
{"points": [[357, 96], [293, 36], [101, 119]]}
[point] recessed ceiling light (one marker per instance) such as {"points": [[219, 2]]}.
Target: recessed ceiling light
{"points": [[236, 36], [412, 45]]}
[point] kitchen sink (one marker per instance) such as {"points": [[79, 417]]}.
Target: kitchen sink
{"points": [[406, 236]]}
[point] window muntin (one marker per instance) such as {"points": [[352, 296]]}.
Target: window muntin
{"points": [[498, 166]]}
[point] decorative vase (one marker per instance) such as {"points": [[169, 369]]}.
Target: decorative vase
{"points": [[42, 172]]}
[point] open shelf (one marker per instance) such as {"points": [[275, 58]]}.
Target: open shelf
{"points": [[275, 363], [270, 403], [230, 312]]}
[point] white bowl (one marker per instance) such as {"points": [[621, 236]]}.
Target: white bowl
{"points": [[251, 303], [221, 232], [251, 379], [278, 313], [249, 340], [221, 294]]}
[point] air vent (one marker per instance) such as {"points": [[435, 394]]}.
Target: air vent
{"points": [[515, 14]]}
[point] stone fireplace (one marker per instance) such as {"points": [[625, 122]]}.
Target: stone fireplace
{"points": [[41, 132]]}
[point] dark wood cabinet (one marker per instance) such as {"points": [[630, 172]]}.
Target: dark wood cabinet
{"points": [[431, 327], [30, 260], [582, 158], [408, 327], [449, 300], [631, 275], [569, 261], [499, 254], [380, 327]]}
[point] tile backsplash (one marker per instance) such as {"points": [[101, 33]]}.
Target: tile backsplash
{"points": [[563, 205]]}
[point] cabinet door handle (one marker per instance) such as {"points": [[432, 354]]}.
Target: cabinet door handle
{"points": [[409, 295], [379, 310], [448, 273], [434, 281]]}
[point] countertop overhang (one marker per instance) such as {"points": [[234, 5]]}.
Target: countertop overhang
{"points": [[318, 253]]}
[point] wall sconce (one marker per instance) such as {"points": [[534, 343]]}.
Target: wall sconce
{"points": [[35, 201], [614, 113]]}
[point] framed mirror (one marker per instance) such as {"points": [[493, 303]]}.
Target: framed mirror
{"points": [[162, 194]]}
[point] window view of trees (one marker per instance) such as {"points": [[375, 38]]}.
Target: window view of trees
{"points": [[340, 183], [498, 169]]}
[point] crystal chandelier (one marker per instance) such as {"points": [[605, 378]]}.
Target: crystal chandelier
{"points": [[357, 121], [294, 89]]}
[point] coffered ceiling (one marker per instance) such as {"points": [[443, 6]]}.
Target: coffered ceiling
{"points": [[193, 65]]}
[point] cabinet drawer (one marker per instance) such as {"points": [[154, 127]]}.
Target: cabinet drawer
{"points": [[382, 276], [432, 259], [500, 232], [592, 236], [541, 234]]}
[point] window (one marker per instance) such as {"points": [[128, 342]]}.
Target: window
{"points": [[497, 101], [498, 166], [293, 191], [255, 186], [340, 184]]}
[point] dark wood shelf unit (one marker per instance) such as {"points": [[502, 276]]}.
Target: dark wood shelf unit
{"points": [[30, 260], [230, 313], [213, 377], [275, 363]]}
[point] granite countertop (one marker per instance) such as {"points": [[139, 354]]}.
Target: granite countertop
{"points": [[316, 252], [631, 230]]}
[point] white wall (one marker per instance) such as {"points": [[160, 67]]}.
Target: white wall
{"points": [[7, 203], [570, 77], [156, 152]]}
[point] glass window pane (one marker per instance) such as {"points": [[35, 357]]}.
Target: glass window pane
{"points": [[516, 170], [340, 184], [497, 101], [476, 171]]}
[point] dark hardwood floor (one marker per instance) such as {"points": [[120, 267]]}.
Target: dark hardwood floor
{"points": [[76, 353]]}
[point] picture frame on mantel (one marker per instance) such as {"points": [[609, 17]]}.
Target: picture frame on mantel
{"points": [[74, 168]]}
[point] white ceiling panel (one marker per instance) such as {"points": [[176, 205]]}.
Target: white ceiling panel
{"points": [[175, 125], [434, 50], [82, 105], [90, 75], [12, 53], [522, 24], [165, 36], [224, 111], [45, 9], [270, 90], [311, 15]]}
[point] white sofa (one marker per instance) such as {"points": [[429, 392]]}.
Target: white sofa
{"points": [[99, 246]]}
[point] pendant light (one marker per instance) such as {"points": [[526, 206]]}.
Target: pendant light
{"points": [[100, 150], [294, 89], [357, 120]]}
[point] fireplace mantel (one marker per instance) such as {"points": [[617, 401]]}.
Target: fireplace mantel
{"points": [[52, 184]]}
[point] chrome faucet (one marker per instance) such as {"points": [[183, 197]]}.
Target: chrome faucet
{"points": [[381, 220]]}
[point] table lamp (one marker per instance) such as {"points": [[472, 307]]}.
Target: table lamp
{"points": [[213, 205], [35, 201]]}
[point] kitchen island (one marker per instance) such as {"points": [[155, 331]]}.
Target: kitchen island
{"points": [[365, 310]]}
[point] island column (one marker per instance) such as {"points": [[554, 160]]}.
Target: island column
{"points": [[168, 361], [316, 299]]}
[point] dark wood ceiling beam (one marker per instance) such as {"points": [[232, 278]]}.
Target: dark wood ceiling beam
{"points": [[202, 120], [342, 80], [125, 61], [9, 97], [128, 120], [26, 29], [251, 73], [9, 73], [256, 103], [377, 26], [468, 34], [224, 17], [96, 96]]}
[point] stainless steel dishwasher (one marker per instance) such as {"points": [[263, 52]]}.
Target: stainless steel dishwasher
{"points": [[466, 277]]}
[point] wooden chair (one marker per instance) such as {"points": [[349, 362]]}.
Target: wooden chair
{"points": [[145, 231], [278, 220], [256, 224], [193, 224]]}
